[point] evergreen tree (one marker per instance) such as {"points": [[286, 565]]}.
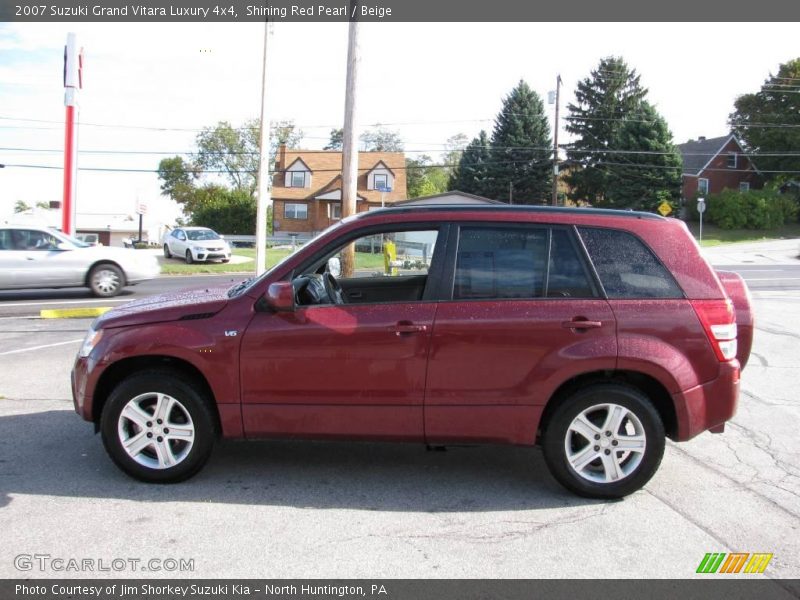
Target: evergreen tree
{"points": [[472, 173], [647, 165], [336, 140], [774, 113], [521, 149], [609, 95]]}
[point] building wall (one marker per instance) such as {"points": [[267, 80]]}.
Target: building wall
{"points": [[317, 216]]}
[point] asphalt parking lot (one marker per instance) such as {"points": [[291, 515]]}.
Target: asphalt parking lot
{"points": [[285, 509]]}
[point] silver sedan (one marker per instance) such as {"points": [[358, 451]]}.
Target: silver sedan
{"points": [[196, 244], [34, 257]]}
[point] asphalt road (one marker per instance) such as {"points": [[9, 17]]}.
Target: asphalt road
{"points": [[28, 303], [312, 509]]}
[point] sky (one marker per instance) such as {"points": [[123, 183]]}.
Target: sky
{"points": [[149, 88]]}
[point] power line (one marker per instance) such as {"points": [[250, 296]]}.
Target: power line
{"points": [[410, 168], [568, 147]]}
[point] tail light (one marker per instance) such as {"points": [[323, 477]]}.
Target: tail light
{"points": [[719, 321]]}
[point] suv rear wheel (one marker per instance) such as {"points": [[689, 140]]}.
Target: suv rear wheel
{"points": [[604, 441], [157, 428]]}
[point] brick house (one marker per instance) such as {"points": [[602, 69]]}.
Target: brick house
{"points": [[307, 187], [714, 164]]}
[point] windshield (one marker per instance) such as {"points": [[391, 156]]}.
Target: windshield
{"points": [[201, 234], [63, 237]]}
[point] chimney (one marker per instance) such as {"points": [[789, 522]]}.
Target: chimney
{"points": [[281, 157], [702, 138]]}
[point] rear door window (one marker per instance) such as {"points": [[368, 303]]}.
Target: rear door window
{"points": [[499, 262], [626, 267]]}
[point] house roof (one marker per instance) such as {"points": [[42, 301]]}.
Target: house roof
{"points": [[697, 154], [326, 167], [453, 197]]}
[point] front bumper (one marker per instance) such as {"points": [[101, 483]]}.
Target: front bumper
{"points": [[211, 255]]}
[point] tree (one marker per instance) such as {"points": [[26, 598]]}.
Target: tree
{"points": [[381, 139], [176, 178], [521, 149], [454, 148], [229, 211], [424, 178], [336, 140], [233, 152], [610, 94], [21, 206], [472, 174], [768, 122], [223, 153], [647, 167]]}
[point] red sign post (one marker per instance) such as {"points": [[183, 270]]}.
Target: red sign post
{"points": [[73, 65]]}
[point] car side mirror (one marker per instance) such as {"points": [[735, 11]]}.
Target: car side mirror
{"points": [[280, 296], [63, 246]]}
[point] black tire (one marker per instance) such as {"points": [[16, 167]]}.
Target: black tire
{"points": [[167, 253], [106, 280], [226, 260], [141, 390], [189, 258], [591, 482]]}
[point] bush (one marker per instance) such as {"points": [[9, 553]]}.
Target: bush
{"points": [[756, 209]]}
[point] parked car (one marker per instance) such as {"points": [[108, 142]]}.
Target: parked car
{"points": [[196, 244], [595, 334], [35, 257], [90, 239]]}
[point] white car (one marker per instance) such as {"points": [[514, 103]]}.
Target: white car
{"points": [[196, 244], [38, 257]]}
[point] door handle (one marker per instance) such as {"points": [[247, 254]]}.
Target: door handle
{"points": [[581, 324], [402, 328]]}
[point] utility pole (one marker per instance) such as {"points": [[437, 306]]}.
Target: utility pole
{"points": [[263, 169], [511, 192], [555, 144], [350, 139], [73, 79]]}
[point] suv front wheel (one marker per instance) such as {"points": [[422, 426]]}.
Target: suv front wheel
{"points": [[157, 428], [604, 441]]}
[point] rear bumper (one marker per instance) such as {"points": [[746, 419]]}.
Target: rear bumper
{"points": [[708, 406]]}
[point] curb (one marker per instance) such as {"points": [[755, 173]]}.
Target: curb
{"points": [[73, 313]]}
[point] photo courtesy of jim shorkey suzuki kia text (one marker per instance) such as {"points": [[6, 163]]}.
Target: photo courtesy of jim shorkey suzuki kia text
{"points": [[192, 590]]}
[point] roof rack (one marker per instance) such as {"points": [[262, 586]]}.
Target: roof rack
{"points": [[608, 212]]}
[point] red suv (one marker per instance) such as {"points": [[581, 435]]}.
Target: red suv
{"points": [[593, 333]]}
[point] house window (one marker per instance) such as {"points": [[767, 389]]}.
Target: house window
{"points": [[381, 181], [702, 186], [334, 211], [732, 160], [296, 211], [744, 186], [298, 179]]}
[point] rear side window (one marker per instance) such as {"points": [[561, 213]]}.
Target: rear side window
{"points": [[567, 277], [626, 267], [517, 262], [500, 263]]}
